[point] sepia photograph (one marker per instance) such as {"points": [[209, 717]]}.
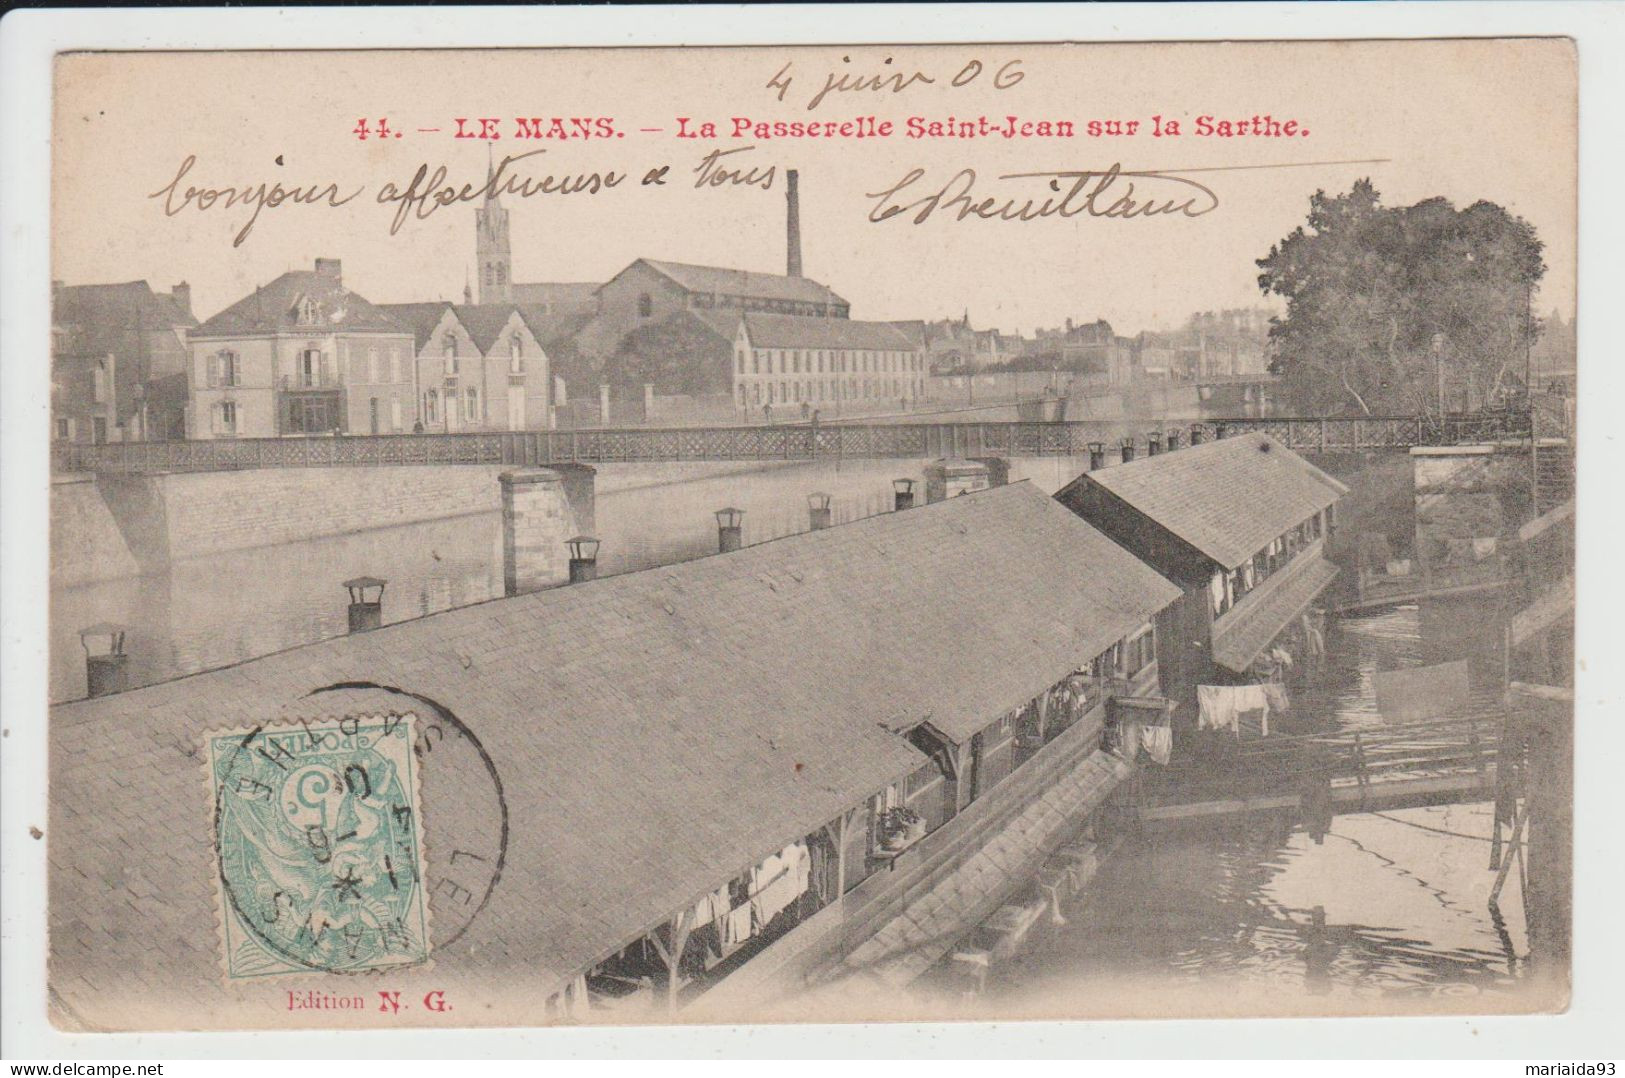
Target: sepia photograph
{"points": [[629, 536]]}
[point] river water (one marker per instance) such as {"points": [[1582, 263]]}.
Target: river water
{"points": [[1389, 913]]}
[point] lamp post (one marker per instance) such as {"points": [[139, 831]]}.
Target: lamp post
{"points": [[902, 493], [366, 603], [729, 529], [583, 558]]}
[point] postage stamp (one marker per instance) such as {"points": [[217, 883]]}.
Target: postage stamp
{"points": [[318, 843]]}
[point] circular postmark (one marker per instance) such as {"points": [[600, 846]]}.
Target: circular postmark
{"points": [[367, 838]]}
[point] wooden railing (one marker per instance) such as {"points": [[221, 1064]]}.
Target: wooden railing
{"points": [[862, 441]]}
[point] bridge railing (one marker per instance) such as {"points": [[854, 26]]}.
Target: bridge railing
{"points": [[788, 442]]}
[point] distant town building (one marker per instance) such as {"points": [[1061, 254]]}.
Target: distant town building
{"points": [[301, 355], [1223, 344], [794, 359], [475, 367], [118, 362]]}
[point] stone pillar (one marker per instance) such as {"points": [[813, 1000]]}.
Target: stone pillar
{"points": [[1459, 516], [603, 405], [536, 521], [648, 402], [950, 478]]}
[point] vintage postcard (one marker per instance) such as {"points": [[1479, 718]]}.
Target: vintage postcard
{"points": [[614, 536]]}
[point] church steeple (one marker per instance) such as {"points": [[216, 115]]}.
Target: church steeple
{"points": [[491, 250]]}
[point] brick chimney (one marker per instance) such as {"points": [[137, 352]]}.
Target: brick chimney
{"points": [[182, 295], [330, 267], [792, 225]]}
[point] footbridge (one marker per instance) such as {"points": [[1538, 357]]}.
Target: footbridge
{"points": [[812, 441], [1403, 765]]}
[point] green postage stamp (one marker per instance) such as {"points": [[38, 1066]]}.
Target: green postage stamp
{"points": [[318, 842]]}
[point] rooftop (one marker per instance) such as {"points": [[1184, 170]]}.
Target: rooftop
{"points": [[1227, 499], [656, 733], [732, 282], [278, 307]]}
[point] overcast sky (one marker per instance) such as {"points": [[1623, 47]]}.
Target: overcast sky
{"points": [[1466, 120]]}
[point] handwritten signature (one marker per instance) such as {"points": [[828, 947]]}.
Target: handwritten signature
{"points": [[1108, 192]]}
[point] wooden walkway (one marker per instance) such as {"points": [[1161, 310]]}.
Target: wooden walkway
{"points": [[1403, 765]]}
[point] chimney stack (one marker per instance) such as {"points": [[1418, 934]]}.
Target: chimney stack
{"points": [[1128, 448], [365, 613], [1097, 456], [583, 558], [330, 267], [730, 530], [107, 667], [1153, 443], [902, 494], [792, 198], [1198, 434], [182, 295], [818, 512]]}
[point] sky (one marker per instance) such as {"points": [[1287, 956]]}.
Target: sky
{"points": [[1466, 120]]}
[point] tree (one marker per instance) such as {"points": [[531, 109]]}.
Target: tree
{"points": [[1387, 305]]}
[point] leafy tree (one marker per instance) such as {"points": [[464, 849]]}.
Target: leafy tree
{"points": [[1384, 303]]}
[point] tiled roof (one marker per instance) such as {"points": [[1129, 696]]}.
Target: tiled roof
{"points": [[421, 318], [805, 331], [275, 307], [1228, 498], [486, 321], [115, 308], [655, 733], [732, 282], [1248, 629]]}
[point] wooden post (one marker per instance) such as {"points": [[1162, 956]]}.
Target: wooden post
{"points": [[671, 952]]}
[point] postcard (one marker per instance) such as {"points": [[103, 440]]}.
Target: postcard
{"points": [[687, 535]]}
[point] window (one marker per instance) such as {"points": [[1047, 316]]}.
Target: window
{"points": [[310, 368], [742, 401], [502, 273], [756, 362], [490, 274], [374, 368], [448, 349], [739, 361], [64, 430], [431, 407], [395, 413], [225, 417], [394, 365], [309, 310], [471, 404], [646, 305], [225, 369], [516, 355]]}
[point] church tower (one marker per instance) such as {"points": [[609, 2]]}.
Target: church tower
{"points": [[493, 257]]}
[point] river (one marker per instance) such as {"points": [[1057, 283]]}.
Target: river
{"points": [[1389, 912]]}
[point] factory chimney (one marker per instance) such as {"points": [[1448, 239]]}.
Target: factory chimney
{"points": [[792, 225]]}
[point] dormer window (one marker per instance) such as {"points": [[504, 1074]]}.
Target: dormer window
{"points": [[309, 310]]}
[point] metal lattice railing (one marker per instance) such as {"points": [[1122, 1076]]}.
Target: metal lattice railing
{"points": [[787, 442]]}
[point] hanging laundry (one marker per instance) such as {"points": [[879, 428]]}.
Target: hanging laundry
{"points": [[1158, 742], [1222, 707], [736, 927]]}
